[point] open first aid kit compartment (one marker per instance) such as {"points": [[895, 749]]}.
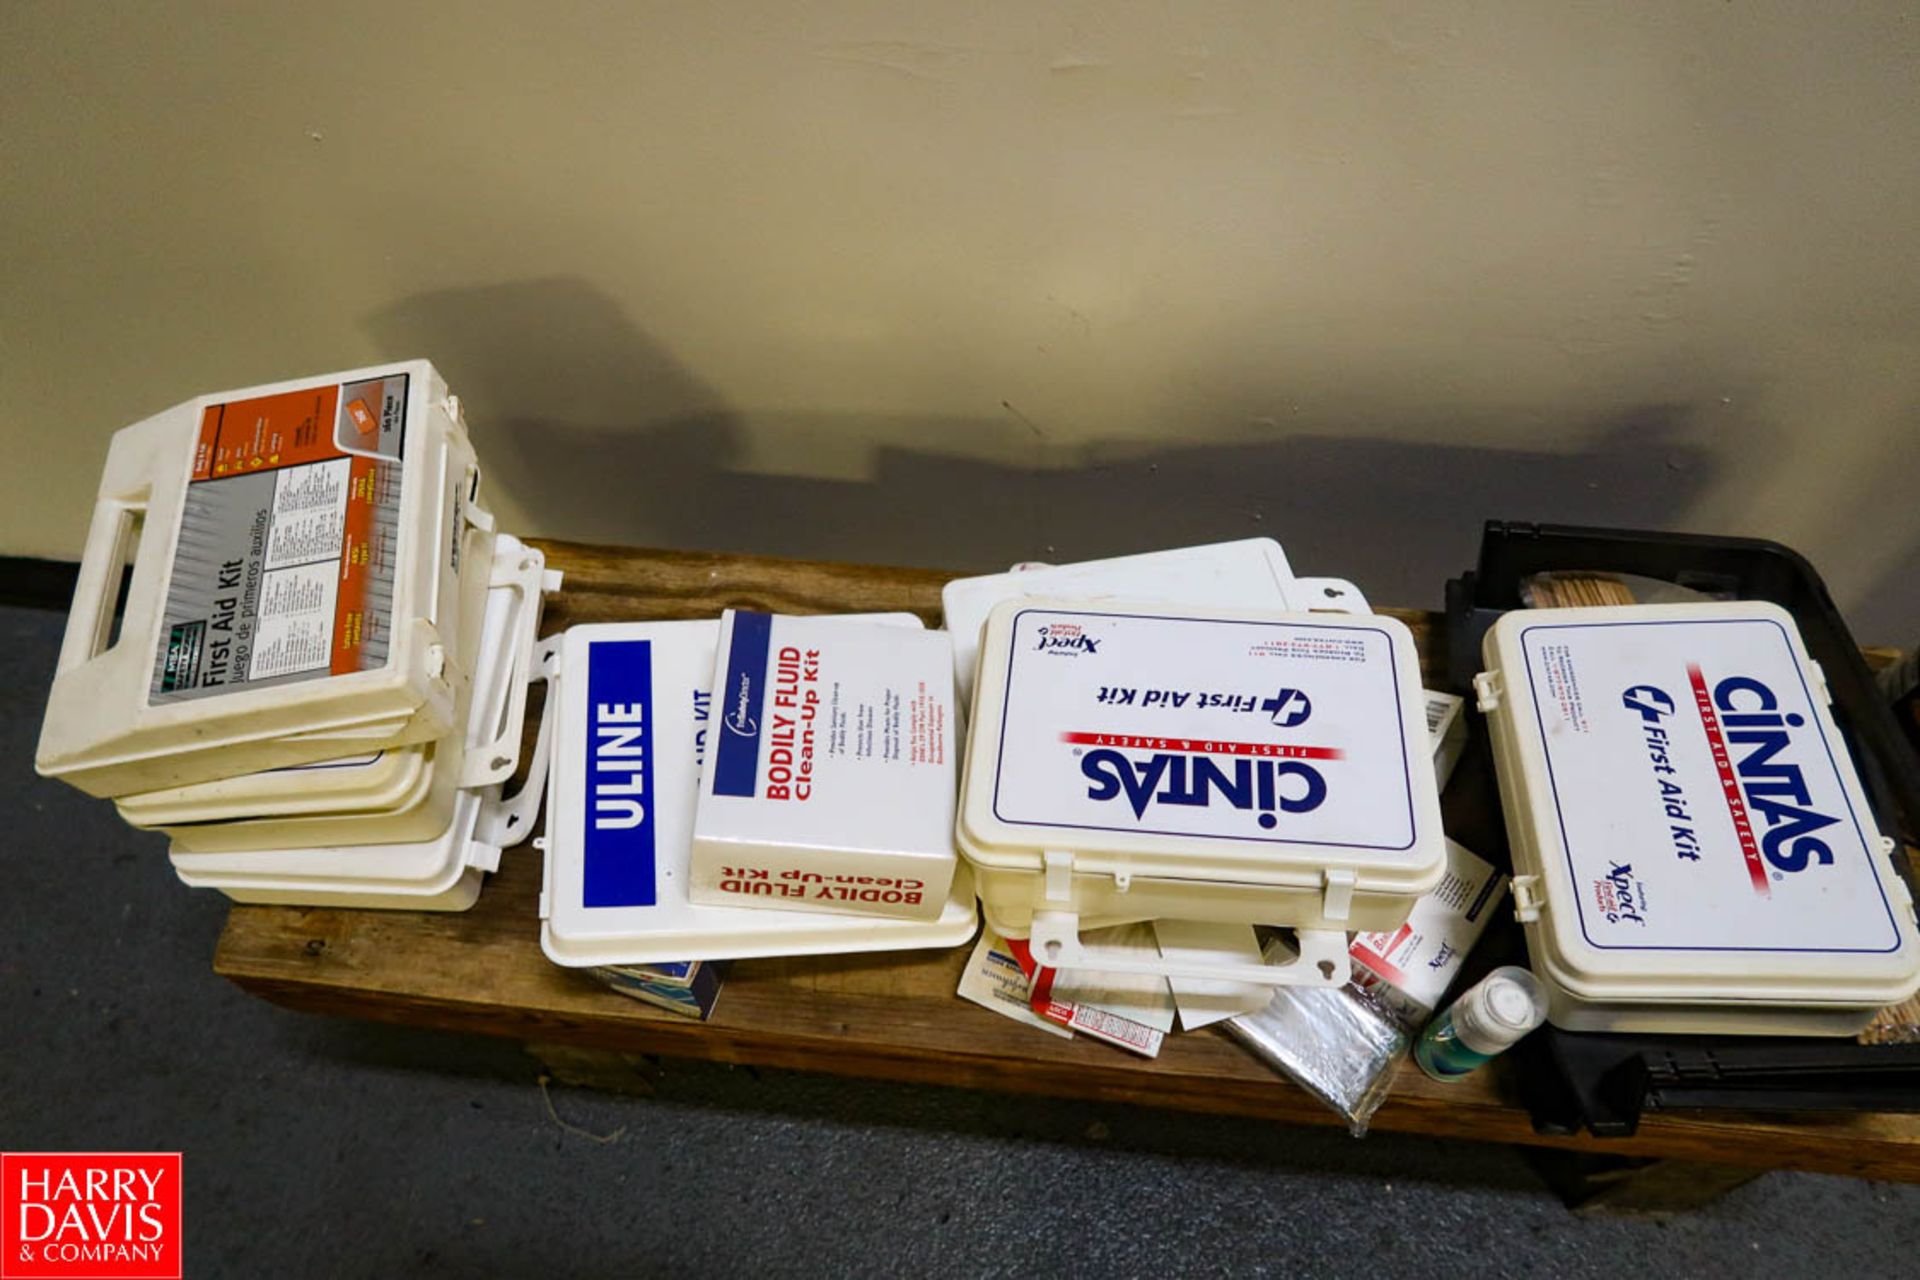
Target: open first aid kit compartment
{"points": [[1693, 851], [1132, 762], [634, 724], [300, 580], [402, 794]]}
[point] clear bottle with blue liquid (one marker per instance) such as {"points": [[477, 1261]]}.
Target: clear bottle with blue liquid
{"points": [[1487, 1018]]}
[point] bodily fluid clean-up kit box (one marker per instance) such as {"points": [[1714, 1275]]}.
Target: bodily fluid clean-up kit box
{"points": [[830, 786]]}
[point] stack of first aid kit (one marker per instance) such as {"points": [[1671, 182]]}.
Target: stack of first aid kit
{"points": [[317, 683], [1192, 736]]}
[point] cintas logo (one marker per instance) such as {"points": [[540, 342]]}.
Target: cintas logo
{"points": [[1752, 744], [80, 1214], [1748, 713], [1262, 778]]}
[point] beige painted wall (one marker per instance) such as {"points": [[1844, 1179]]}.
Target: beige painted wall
{"points": [[964, 283]]}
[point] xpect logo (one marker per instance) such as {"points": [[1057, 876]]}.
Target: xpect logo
{"points": [[69, 1215], [1066, 637]]}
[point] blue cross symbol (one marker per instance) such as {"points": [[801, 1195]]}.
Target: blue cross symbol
{"points": [[1288, 707]]}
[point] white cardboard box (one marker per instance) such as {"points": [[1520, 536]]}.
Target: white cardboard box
{"points": [[1410, 968], [831, 786]]}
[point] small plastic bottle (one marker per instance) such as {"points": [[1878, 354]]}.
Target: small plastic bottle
{"points": [[1487, 1018]]}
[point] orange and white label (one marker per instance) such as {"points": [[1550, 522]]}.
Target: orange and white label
{"points": [[285, 563]]}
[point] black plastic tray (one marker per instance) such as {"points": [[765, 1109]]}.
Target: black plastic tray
{"points": [[1573, 1080]]}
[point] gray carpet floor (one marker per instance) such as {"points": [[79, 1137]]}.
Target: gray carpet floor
{"points": [[316, 1147]]}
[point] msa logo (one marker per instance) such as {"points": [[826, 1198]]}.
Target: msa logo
{"points": [[1263, 786], [1288, 707], [1066, 637]]}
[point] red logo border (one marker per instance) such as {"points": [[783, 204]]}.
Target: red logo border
{"points": [[179, 1213]]}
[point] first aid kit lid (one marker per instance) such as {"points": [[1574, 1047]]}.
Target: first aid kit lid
{"points": [[1675, 781], [620, 811], [1263, 747], [1248, 573], [296, 556]]}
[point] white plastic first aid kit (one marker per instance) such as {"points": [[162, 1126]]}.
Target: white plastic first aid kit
{"points": [[1251, 573], [443, 871], [831, 781], [1692, 848], [386, 797], [636, 723], [302, 569], [1134, 762]]}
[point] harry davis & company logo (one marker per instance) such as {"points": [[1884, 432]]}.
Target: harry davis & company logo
{"points": [[90, 1215]]}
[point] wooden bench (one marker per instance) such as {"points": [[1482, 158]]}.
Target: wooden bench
{"points": [[896, 1017]]}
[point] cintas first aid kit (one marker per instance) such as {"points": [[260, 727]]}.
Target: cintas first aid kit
{"points": [[1145, 762], [1693, 850], [635, 722], [305, 556]]}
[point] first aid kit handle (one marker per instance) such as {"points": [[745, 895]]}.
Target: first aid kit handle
{"points": [[114, 526], [1330, 595], [1322, 962], [119, 512]]}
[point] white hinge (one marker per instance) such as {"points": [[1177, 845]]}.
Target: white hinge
{"points": [[1338, 903], [1890, 850], [1818, 678], [1059, 871], [1527, 900], [1486, 687]]}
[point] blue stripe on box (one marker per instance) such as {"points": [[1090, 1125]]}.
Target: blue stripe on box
{"points": [[736, 765], [618, 853]]}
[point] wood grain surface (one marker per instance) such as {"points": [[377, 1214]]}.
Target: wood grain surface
{"points": [[887, 1016]]}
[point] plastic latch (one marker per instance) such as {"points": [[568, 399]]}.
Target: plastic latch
{"points": [[476, 515], [1527, 899], [437, 661], [483, 856], [506, 821], [1890, 850], [1059, 875], [1487, 691], [1322, 960], [1338, 902], [1818, 679]]}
